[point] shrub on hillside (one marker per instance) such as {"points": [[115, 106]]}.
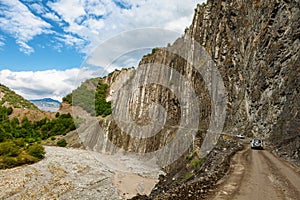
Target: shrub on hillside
{"points": [[92, 101], [8, 162], [36, 150], [62, 143], [20, 142], [9, 149]]}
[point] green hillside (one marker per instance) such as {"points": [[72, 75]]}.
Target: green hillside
{"points": [[10, 99], [91, 96], [21, 138]]}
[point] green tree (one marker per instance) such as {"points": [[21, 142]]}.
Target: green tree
{"points": [[57, 114], [102, 107], [18, 140]]}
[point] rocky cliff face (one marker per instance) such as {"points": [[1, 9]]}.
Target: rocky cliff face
{"points": [[255, 46], [138, 124]]}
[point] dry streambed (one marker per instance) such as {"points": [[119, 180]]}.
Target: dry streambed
{"points": [[77, 174]]}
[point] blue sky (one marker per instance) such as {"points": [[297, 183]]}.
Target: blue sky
{"points": [[42, 39], [44, 56]]}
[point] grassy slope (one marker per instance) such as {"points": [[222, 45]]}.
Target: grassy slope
{"points": [[10, 98]]}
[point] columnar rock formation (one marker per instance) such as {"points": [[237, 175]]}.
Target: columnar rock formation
{"points": [[255, 46]]}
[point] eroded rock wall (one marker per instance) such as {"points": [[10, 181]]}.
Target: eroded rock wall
{"points": [[255, 45]]}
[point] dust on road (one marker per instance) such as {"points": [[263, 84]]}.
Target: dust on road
{"points": [[258, 174]]}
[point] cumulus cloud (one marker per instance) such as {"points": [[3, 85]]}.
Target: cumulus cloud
{"points": [[38, 8], [50, 83], [126, 48], [52, 16], [86, 24], [70, 40], [2, 43], [96, 21], [25, 47], [18, 21], [91, 21]]}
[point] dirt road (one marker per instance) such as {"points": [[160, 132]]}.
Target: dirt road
{"points": [[258, 174]]}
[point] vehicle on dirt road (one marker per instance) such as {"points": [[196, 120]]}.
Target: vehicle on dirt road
{"points": [[241, 136], [256, 144]]}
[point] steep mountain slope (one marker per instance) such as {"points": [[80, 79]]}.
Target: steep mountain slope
{"points": [[255, 46], [10, 98], [256, 49], [21, 107]]}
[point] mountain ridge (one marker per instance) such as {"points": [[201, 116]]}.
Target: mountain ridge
{"points": [[21, 107], [10, 98], [45, 100], [47, 104]]}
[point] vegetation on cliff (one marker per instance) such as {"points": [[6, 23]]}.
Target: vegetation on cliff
{"points": [[91, 96]]}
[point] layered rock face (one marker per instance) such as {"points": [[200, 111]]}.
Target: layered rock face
{"points": [[156, 107], [255, 46]]}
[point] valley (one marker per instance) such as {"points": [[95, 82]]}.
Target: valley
{"points": [[167, 128]]}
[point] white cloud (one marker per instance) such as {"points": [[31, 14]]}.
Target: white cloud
{"points": [[18, 21], [97, 7], [51, 16], [69, 10], [154, 13], [71, 40], [2, 43], [123, 50], [38, 8], [92, 21], [94, 25], [50, 83], [25, 47], [112, 19], [178, 24]]}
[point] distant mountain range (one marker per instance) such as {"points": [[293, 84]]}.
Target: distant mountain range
{"points": [[47, 104]]}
